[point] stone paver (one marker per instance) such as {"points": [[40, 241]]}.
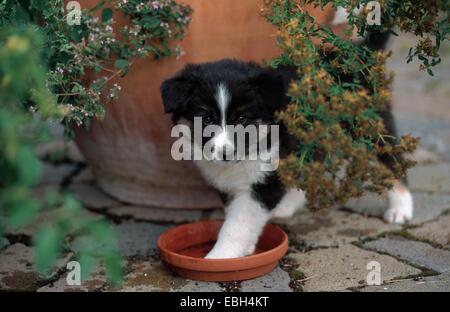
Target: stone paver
{"points": [[276, 281], [196, 286], [96, 281], [139, 239], [434, 133], [59, 148], [151, 276], [438, 283], [426, 206], [16, 268], [433, 178], [155, 276], [50, 216], [55, 174], [417, 253], [334, 269], [41, 191], [333, 227], [92, 197], [424, 156], [156, 214], [429, 206], [84, 176], [437, 231], [135, 239]]}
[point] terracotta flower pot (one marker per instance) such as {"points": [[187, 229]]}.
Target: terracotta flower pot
{"points": [[129, 151]]}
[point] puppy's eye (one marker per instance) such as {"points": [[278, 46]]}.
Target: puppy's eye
{"points": [[242, 119], [207, 120]]}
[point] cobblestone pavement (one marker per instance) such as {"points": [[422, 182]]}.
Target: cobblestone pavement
{"points": [[329, 250]]}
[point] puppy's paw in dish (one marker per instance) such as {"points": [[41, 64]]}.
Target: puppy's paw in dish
{"points": [[400, 205], [227, 253], [232, 247]]}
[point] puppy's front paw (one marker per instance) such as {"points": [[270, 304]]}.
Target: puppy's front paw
{"points": [[221, 255], [228, 252], [293, 200]]}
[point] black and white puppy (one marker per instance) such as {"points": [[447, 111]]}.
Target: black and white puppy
{"points": [[231, 92]]}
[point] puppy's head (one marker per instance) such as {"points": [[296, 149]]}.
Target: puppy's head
{"points": [[221, 95]]}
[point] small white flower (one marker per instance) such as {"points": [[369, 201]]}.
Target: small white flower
{"points": [[179, 52]]}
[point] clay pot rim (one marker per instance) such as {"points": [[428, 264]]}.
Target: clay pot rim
{"points": [[222, 265]]}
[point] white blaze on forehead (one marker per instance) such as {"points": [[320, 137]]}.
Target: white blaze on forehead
{"points": [[221, 141], [223, 99]]}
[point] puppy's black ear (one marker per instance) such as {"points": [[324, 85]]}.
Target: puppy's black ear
{"points": [[272, 86], [176, 92]]}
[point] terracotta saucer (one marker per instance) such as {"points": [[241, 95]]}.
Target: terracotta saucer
{"points": [[184, 247]]}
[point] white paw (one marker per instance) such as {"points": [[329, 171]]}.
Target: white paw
{"points": [[217, 253], [250, 250], [226, 250], [400, 206], [292, 201], [398, 215]]}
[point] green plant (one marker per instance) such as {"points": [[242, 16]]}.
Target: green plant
{"points": [[22, 86], [427, 19], [337, 121], [85, 59], [51, 69]]}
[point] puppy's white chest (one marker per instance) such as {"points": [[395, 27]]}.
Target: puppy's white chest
{"points": [[232, 177]]}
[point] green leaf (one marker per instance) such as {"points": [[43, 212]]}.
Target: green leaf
{"points": [[151, 21], [29, 165], [71, 204], [47, 247], [103, 232], [23, 213], [121, 64], [77, 32], [107, 15], [87, 264], [113, 267], [22, 15]]}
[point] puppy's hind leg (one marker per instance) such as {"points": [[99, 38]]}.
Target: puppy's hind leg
{"points": [[401, 206], [244, 221]]}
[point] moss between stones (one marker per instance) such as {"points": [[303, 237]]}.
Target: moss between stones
{"points": [[234, 286], [296, 276]]}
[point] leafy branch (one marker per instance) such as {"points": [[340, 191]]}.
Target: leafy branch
{"points": [[337, 100]]}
